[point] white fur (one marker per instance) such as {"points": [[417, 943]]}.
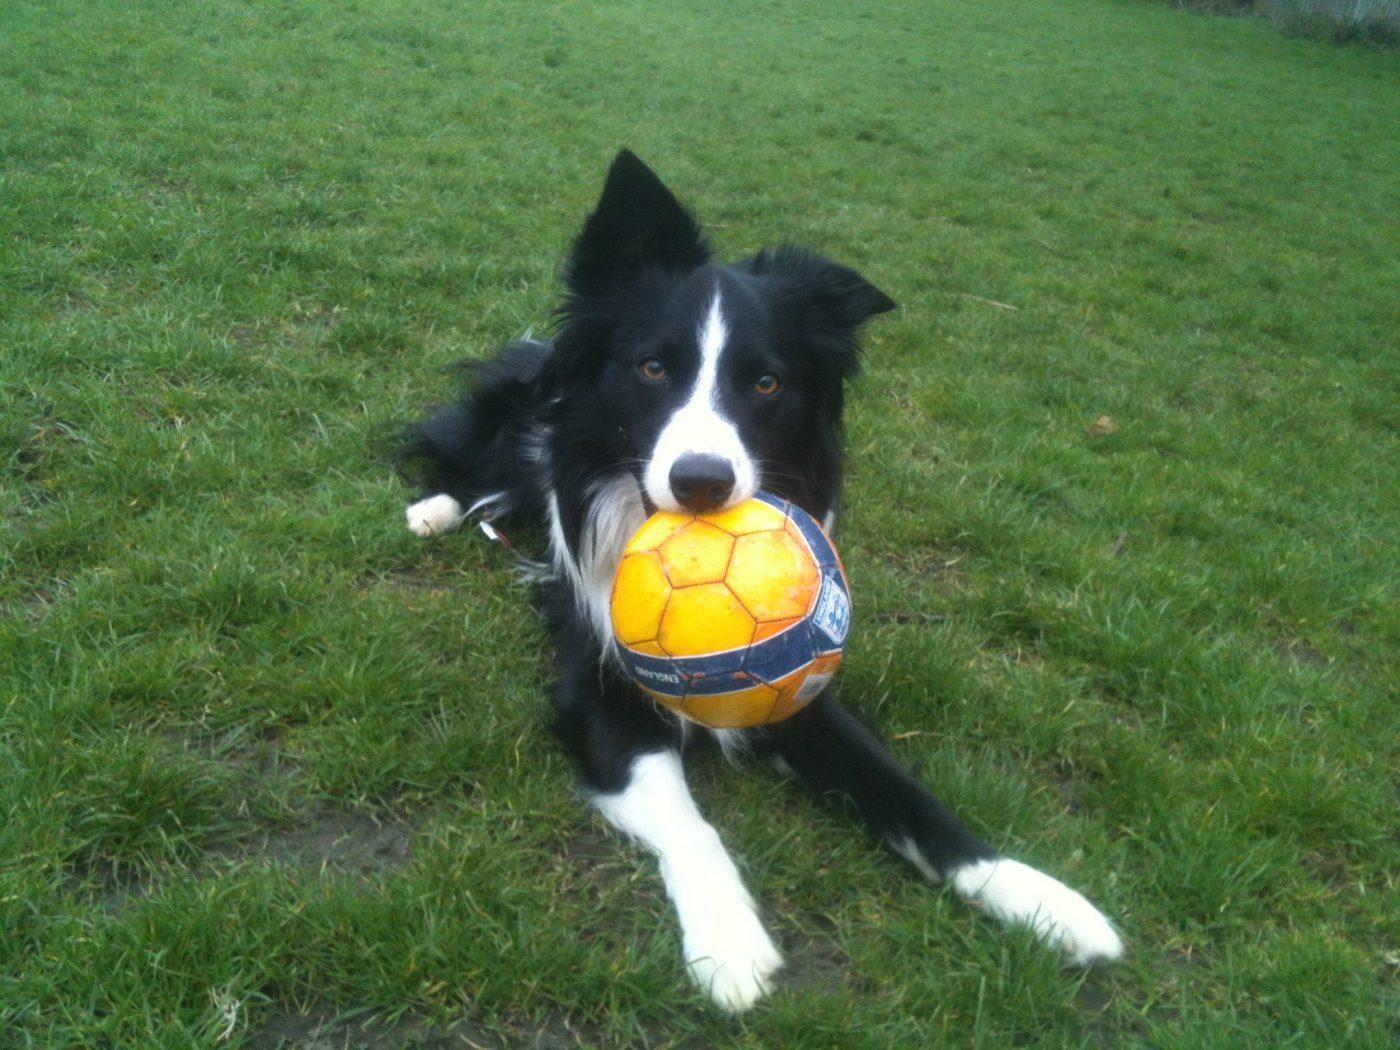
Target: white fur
{"points": [[909, 851], [436, 514], [615, 511], [728, 954], [1017, 894], [733, 742], [699, 427]]}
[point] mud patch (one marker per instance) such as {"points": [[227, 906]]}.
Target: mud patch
{"points": [[326, 1031], [1068, 780], [996, 656], [589, 847], [813, 963], [1094, 999], [904, 616], [1301, 652], [1334, 871], [1290, 644], [111, 889], [813, 960], [935, 566], [415, 578], [925, 571], [424, 579], [590, 861], [312, 835], [339, 839], [328, 840], [32, 441], [40, 600]]}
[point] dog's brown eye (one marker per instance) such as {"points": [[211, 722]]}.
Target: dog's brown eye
{"points": [[767, 384], [652, 369]]}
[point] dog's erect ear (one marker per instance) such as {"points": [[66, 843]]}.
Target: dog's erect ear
{"points": [[637, 225], [846, 298], [829, 301]]}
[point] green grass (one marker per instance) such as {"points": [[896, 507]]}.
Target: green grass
{"points": [[263, 754]]}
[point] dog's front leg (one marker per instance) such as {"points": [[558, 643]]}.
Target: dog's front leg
{"points": [[832, 753], [727, 951], [628, 753]]}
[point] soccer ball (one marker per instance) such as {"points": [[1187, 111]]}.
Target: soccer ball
{"points": [[735, 618]]}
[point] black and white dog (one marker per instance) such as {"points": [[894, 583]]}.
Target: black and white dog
{"points": [[675, 382]]}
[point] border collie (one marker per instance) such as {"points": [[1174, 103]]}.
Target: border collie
{"points": [[676, 382]]}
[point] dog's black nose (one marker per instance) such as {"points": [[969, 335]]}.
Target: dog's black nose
{"points": [[701, 482]]}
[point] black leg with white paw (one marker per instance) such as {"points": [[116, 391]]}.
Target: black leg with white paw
{"points": [[833, 754]]}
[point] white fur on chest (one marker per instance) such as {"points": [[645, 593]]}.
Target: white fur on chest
{"points": [[615, 511]]}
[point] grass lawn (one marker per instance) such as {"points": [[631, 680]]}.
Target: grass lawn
{"points": [[272, 771]]}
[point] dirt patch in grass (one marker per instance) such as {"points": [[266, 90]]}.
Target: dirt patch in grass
{"points": [[112, 890], [30, 442], [812, 962], [323, 1030], [424, 579], [589, 847], [1301, 651], [591, 858], [348, 840], [1336, 872], [1065, 780], [35, 605], [327, 838], [1291, 645], [903, 616], [306, 325], [923, 570], [935, 566], [315, 834], [1094, 999]]}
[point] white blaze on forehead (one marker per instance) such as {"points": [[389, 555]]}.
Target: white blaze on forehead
{"points": [[712, 336], [699, 426]]}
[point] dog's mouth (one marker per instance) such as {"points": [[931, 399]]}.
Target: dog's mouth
{"points": [[639, 469]]}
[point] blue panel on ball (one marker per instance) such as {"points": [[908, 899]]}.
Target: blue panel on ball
{"points": [[831, 616], [777, 657], [714, 673], [657, 673], [821, 546]]}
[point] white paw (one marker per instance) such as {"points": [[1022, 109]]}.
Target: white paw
{"points": [[440, 513], [730, 957], [1019, 895]]}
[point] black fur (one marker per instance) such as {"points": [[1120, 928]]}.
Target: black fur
{"points": [[480, 445]]}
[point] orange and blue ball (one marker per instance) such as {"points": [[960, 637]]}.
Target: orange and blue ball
{"points": [[734, 618]]}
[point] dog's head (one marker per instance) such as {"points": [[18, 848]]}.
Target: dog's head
{"points": [[715, 380]]}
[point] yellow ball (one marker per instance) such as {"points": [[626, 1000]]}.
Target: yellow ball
{"points": [[735, 618]]}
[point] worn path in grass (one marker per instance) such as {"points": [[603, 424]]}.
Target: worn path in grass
{"points": [[273, 768]]}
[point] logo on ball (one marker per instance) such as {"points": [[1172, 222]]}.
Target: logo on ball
{"points": [[833, 613]]}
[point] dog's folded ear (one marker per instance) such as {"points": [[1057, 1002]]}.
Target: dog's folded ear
{"points": [[638, 225], [826, 301]]}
